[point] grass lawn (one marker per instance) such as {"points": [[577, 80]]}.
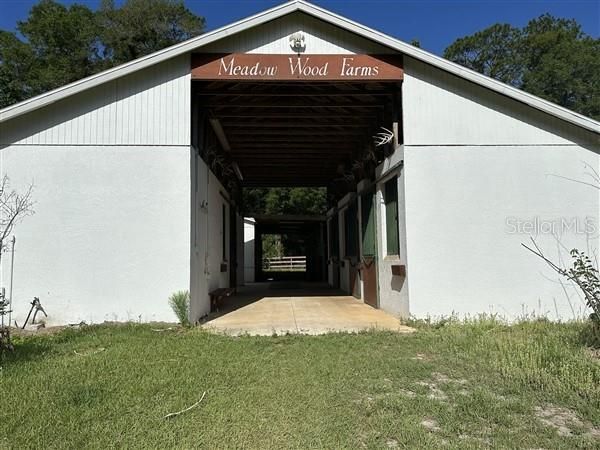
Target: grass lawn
{"points": [[457, 386]]}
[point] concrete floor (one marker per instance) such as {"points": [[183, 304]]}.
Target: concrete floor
{"points": [[263, 309]]}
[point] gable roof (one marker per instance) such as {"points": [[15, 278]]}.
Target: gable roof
{"points": [[322, 14]]}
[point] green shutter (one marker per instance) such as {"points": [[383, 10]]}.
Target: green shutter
{"points": [[368, 223], [351, 226], [391, 217]]}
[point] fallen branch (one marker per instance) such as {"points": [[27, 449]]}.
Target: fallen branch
{"points": [[101, 349], [170, 415], [158, 330]]}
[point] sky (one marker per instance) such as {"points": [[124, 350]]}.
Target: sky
{"points": [[435, 23]]}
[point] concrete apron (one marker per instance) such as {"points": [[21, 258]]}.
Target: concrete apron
{"points": [[304, 315]]}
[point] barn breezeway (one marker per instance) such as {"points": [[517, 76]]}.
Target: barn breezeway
{"points": [[291, 133], [268, 308]]}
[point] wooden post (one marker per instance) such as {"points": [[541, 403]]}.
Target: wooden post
{"points": [[397, 119]]}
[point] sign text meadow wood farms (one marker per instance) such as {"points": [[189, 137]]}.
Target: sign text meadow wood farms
{"points": [[241, 66]]}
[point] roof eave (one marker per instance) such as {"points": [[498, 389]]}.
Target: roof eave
{"points": [[453, 68], [322, 14], [141, 63]]}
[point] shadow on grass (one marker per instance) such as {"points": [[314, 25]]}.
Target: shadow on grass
{"points": [[26, 350], [590, 335], [35, 347]]}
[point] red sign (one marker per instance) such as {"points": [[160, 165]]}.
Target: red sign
{"points": [[244, 66]]}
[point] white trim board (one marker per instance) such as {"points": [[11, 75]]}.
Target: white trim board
{"points": [[324, 15]]}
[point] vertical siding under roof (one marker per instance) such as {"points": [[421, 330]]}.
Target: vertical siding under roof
{"points": [[150, 107], [273, 38], [442, 109]]}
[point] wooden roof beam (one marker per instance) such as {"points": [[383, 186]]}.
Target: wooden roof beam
{"points": [[267, 125], [292, 115], [278, 105]]}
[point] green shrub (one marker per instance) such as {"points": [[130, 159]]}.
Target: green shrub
{"points": [[180, 304]]}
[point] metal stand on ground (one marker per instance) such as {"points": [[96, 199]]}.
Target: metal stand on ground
{"points": [[35, 304]]}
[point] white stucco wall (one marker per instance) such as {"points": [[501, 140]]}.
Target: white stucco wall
{"points": [[207, 250], [110, 238], [476, 163]]}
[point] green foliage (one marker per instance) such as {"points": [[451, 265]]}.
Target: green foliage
{"points": [[492, 52], [60, 45], [549, 57], [272, 246], [278, 201], [16, 65], [585, 275], [180, 304], [63, 44], [275, 201], [140, 27]]}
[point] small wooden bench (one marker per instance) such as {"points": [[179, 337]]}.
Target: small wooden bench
{"points": [[217, 296]]}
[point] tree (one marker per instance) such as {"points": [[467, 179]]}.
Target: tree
{"points": [[16, 61], [493, 52], [64, 44], [549, 57], [61, 46], [562, 64], [140, 27], [13, 208]]}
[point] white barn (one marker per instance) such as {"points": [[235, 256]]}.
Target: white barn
{"points": [[134, 200]]}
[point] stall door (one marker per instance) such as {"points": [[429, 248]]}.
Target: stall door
{"points": [[352, 239], [368, 258]]}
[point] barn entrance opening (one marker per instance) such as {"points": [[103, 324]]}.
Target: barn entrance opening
{"points": [[310, 132]]}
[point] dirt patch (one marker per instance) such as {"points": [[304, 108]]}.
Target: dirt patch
{"points": [[480, 440], [594, 353], [441, 378], [18, 332], [392, 443], [431, 424], [565, 421], [435, 393], [407, 393], [50, 330]]}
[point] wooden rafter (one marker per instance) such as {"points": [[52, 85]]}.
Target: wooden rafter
{"points": [[295, 134]]}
